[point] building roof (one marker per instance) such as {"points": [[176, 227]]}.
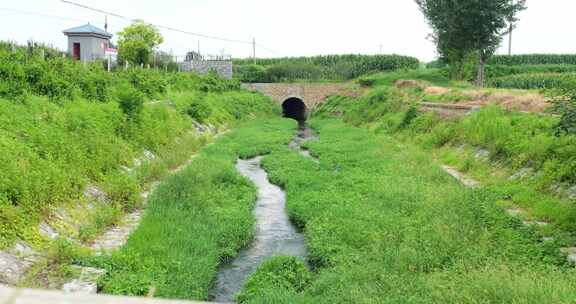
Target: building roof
{"points": [[87, 29]]}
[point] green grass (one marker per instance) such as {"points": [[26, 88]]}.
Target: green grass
{"points": [[436, 77], [196, 220], [384, 224], [514, 141], [51, 151]]}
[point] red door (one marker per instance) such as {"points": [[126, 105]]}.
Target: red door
{"points": [[76, 51]]}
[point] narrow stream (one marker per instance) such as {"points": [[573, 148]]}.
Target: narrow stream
{"points": [[275, 235], [304, 134]]}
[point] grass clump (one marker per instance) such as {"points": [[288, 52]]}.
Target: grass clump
{"points": [[281, 277]]}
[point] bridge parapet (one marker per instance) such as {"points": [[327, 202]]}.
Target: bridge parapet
{"points": [[312, 94]]}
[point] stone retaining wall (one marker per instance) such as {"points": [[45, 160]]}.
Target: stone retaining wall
{"points": [[9, 295], [202, 67]]}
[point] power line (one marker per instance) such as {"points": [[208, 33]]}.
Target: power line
{"points": [[157, 25], [40, 14], [16, 11]]}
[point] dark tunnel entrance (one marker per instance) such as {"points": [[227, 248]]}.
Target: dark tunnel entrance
{"points": [[294, 108]]}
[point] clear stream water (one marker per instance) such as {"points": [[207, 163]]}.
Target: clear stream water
{"points": [[275, 235]]}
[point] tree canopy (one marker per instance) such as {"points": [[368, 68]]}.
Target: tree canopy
{"points": [[137, 43], [464, 27]]}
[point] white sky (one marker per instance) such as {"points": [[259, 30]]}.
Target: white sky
{"points": [[290, 28]]}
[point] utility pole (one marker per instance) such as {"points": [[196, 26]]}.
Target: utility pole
{"points": [[254, 49], [199, 49], [511, 28], [106, 23], [381, 46]]}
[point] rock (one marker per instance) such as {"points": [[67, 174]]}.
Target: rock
{"points": [[515, 212], [522, 173], [86, 283], [401, 84], [116, 237], [556, 188], [570, 253], [536, 223], [571, 192], [149, 155], [482, 154], [93, 193], [466, 181], [13, 268], [47, 231], [23, 250]]}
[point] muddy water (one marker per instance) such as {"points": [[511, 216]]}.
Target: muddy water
{"points": [[275, 234]]}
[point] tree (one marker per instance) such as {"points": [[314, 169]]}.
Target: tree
{"points": [[137, 43], [464, 27]]}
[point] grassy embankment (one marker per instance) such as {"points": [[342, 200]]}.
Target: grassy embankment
{"points": [[66, 126], [384, 224], [520, 155]]}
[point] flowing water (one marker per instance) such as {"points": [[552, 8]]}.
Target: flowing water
{"points": [[304, 134], [275, 235]]}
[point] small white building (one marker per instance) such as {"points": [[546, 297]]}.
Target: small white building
{"points": [[88, 43]]}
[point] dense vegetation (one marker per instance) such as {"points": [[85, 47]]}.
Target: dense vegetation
{"points": [[197, 220], [383, 223], [542, 145], [318, 68], [65, 126]]}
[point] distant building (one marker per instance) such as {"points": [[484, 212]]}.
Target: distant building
{"points": [[88, 43]]}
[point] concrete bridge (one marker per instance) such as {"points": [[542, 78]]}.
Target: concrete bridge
{"points": [[298, 100]]}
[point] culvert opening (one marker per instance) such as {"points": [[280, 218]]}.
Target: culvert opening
{"points": [[294, 108]]}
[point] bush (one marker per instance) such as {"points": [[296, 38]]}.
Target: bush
{"points": [[282, 275], [131, 102], [151, 83], [565, 104], [250, 73]]}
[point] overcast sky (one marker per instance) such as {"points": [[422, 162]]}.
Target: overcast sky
{"points": [[288, 28]]}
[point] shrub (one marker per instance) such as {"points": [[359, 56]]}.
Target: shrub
{"points": [[565, 105], [149, 82], [250, 73], [131, 102]]}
